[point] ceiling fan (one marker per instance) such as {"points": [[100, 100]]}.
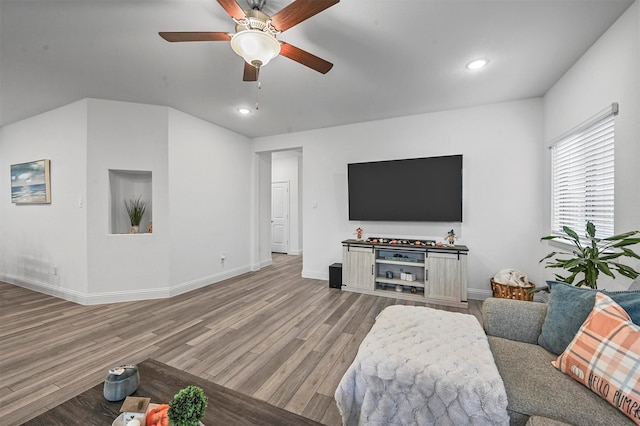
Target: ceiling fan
{"points": [[255, 37]]}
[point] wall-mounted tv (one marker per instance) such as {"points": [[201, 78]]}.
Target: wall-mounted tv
{"points": [[412, 190]]}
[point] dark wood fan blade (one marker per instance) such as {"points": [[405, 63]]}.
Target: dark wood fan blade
{"points": [[305, 58], [298, 11], [232, 8], [250, 72], [195, 36]]}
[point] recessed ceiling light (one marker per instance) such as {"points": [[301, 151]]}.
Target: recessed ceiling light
{"points": [[476, 64], [244, 111]]}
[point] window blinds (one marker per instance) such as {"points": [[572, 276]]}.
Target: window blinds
{"points": [[582, 165]]}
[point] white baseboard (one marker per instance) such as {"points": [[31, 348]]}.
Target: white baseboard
{"points": [[266, 262], [257, 266], [46, 288], [83, 298], [205, 281], [180, 288], [124, 295], [316, 275], [295, 252]]}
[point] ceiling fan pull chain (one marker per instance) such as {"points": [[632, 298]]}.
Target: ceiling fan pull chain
{"points": [[258, 87]]}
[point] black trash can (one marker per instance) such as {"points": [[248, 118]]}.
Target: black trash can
{"points": [[335, 275]]}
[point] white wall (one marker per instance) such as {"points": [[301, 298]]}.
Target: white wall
{"points": [[36, 239], [126, 136], [502, 213], [285, 167], [608, 72], [201, 202], [210, 202]]}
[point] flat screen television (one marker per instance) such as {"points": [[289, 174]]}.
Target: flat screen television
{"points": [[412, 190]]}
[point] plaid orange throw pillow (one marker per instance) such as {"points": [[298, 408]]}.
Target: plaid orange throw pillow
{"points": [[605, 356]]}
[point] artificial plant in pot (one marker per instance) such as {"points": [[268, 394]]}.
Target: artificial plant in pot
{"points": [[135, 209], [592, 255], [187, 407]]}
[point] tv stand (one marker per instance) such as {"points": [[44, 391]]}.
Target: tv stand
{"points": [[406, 269]]}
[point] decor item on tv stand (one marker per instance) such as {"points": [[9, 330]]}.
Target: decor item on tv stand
{"points": [[451, 238], [135, 210]]}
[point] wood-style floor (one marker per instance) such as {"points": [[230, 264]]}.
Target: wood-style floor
{"points": [[269, 334]]}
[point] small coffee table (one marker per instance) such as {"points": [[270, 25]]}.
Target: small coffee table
{"points": [[161, 382]]}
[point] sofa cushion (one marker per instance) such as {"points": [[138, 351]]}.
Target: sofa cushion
{"points": [[535, 387], [513, 319], [605, 355], [569, 307]]}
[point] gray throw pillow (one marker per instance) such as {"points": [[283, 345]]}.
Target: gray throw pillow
{"points": [[569, 306]]}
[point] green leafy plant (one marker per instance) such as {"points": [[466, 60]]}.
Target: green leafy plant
{"points": [[594, 256], [187, 407], [135, 210]]}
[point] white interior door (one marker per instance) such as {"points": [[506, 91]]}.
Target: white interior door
{"points": [[280, 217]]}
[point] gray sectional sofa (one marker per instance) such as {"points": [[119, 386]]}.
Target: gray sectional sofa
{"points": [[534, 387]]}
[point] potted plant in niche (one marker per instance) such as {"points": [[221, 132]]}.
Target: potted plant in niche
{"points": [[592, 255], [135, 209]]}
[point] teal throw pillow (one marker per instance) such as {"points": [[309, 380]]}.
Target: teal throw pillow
{"points": [[569, 306]]}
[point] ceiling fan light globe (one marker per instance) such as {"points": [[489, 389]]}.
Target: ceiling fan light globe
{"points": [[255, 46]]}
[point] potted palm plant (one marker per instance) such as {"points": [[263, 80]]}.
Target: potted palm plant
{"points": [[135, 210], [592, 255]]}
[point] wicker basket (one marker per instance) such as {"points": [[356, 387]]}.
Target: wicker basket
{"points": [[505, 291]]}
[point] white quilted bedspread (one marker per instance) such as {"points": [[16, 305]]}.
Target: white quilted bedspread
{"points": [[421, 366]]}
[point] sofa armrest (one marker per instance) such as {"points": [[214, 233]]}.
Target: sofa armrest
{"points": [[513, 319]]}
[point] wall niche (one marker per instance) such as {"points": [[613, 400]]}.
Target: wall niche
{"points": [[127, 185]]}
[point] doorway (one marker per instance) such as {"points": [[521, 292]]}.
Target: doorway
{"points": [[286, 202], [280, 217]]}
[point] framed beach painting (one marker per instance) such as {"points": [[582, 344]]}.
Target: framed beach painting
{"points": [[31, 182]]}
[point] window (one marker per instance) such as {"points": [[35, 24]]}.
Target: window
{"points": [[582, 180]]}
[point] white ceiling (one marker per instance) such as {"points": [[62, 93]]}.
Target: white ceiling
{"points": [[391, 57]]}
